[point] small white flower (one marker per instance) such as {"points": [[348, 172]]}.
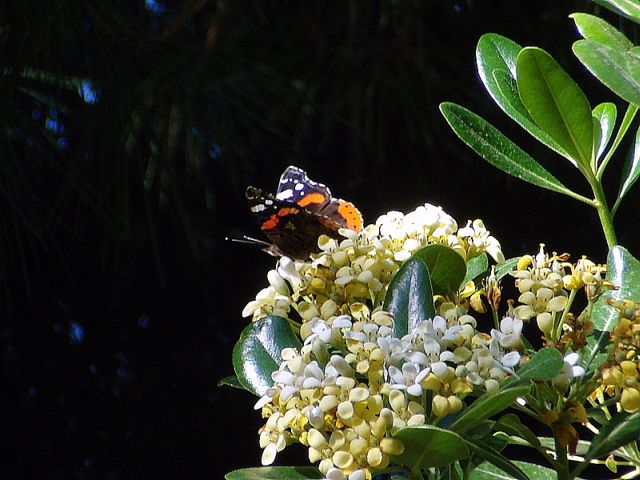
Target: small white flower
{"points": [[509, 334], [569, 371]]}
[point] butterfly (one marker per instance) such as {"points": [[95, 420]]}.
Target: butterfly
{"points": [[299, 212]]}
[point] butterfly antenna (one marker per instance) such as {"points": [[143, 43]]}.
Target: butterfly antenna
{"points": [[248, 240]]}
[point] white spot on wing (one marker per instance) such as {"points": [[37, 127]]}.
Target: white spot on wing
{"points": [[285, 194], [258, 208], [299, 186]]}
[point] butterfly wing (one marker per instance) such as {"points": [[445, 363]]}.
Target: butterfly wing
{"points": [[295, 186], [292, 229]]}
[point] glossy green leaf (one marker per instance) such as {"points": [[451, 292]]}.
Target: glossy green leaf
{"points": [[596, 29], [618, 70], [446, 268], [274, 473], [257, 353], [622, 429], [545, 364], [231, 381], [476, 266], [497, 460], [605, 115], [429, 446], [631, 167], [627, 8], [409, 297], [623, 271], [488, 142], [496, 60], [556, 103], [505, 267], [487, 471], [487, 406]]}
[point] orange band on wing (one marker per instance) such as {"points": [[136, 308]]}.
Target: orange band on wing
{"points": [[352, 215], [283, 212], [311, 198], [271, 223]]}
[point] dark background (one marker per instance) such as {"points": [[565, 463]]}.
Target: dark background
{"points": [[130, 131]]}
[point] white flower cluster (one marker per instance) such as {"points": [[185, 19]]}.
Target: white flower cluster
{"points": [[359, 267], [353, 385]]}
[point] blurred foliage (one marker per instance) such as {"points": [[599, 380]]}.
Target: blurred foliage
{"points": [[123, 119]]}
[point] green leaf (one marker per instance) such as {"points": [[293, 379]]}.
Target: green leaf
{"points": [[627, 8], [496, 60], [231, 381], [512, 425], [631, 168], [545, 364], [429, 446], [486, 471], [623, 271], [605, 114], [446, 268], [257, 353], [556, 103], [617, 70], [620, 430], [409, 297], [488, 142], [274, 473], [476, 266], [505, 267], [596, 29], [498, 460], [486, 406]]}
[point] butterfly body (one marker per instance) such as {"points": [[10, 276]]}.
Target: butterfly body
{"points": [[299, 212]]}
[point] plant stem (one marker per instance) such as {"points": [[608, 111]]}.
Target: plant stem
{"points": [[563, 461], [558, 329], [606, 219]]}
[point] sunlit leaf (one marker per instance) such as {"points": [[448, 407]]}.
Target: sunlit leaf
{"points": [[409, 297], [488, 142], [476, 266], [496, 60], [505, 267], [446, 268], [627, 8], [556, 103], [605, 114], [623, 271], [596, 29], [258, 352], [620, 71]]}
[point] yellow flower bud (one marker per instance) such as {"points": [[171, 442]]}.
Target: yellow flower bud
{"points": [[440, 406], [545, 323], [630, 400], [524, 262], [455, 404], [392, 446], [374, 457]]}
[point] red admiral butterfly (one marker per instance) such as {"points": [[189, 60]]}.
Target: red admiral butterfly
{"points": [[299, 213]]}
